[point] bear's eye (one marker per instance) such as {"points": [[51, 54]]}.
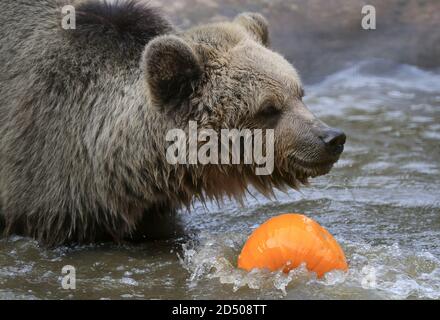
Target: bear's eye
{"points": [[270, 111], [269, 116]]}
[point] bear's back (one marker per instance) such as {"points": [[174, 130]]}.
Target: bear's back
{"points": [[106, 34], [38, 58]]}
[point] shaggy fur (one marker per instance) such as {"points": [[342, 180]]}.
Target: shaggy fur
{"points": [[84, 114]]}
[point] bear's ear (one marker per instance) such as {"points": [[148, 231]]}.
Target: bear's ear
{"points": [[171, 70], [256, 25]]}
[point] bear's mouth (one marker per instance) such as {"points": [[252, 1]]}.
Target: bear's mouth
{"points": [[303, 169]]}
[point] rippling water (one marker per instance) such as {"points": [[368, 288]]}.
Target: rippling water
{"points": [[381, 202]]}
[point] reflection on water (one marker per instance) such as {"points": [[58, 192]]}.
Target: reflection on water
{"points": [[381, 202]]}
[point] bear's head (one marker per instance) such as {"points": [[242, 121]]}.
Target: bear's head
{"points": [[224, 76]]}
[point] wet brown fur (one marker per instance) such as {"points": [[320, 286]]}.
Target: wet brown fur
{"points": [[84, 113]]}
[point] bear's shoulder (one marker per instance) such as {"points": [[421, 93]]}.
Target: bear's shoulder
{"points": [[117, 25]]}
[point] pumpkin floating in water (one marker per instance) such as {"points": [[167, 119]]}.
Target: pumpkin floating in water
{"points": [[286, 241]]}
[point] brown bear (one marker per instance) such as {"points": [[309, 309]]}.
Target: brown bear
{"points": [[84, 113]]}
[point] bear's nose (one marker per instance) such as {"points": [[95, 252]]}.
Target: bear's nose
{"points": [[334, 140]]}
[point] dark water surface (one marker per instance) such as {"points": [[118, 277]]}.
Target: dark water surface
{"points": [[381, 202]]}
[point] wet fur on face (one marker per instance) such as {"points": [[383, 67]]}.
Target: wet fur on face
{"points": [[239, 79]]}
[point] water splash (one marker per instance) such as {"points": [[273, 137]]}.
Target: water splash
{"points": [[375, 272]]}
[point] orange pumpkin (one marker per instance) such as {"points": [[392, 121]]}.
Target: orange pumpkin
{"points": [[286, 241]]}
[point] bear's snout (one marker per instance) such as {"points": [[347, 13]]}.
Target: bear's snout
{"points": [[334, 140]]}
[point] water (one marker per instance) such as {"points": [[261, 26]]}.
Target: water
{"points": [[381, 202]]}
